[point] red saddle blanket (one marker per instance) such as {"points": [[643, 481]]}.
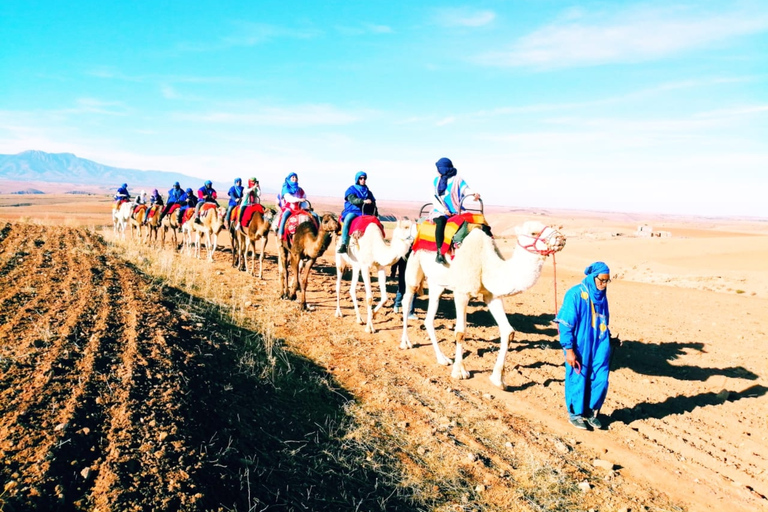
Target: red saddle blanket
{"points": [[154, 209], [247, 215], [425, 237], [173, 208], [360, 224], [138, 209], [188, 213], [294, 220], [117, 204]]}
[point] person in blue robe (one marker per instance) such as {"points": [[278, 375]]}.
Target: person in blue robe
{"points": [[358, 200]]}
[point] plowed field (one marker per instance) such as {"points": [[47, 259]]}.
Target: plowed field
{"points": [[119, 391]]}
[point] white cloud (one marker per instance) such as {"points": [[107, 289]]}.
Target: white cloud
{"points": [[632, 35], [464, 17]]}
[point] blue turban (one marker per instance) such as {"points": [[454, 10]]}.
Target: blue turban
{"points": [[290, 187], [362, 189], [592, 271], [447, 170]]}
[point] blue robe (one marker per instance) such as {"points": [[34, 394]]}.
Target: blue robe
{"points": [[583, 325]]}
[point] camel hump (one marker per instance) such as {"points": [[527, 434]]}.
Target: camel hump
{"points": [[361, 223]]}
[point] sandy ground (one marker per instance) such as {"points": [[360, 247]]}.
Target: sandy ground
{"points": [[686, 410]]}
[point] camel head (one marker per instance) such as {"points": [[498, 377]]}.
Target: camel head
{"points": [[329, 222], [537, 238]]}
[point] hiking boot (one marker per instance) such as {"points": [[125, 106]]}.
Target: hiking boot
{"points": [[412, 316], [396, 308], [578, 422], [440, 258], [594, 422], [342, 249]]}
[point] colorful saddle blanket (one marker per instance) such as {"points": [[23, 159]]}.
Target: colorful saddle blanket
{"points": [[295, 220], [117, 204], [247, 215], [188, 213], [360, 224], [138, 210], [173, 208], [425, 238], [153, 210]]}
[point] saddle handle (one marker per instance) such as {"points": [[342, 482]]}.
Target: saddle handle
{"points": [[478, 202]]}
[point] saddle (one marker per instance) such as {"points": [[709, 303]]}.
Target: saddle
{"points": [[297, 218], [117, 204], [360, 224], [173, 208], [188, 213], [459, 225], [137, 210], [247, 215], [206, 207], [154, 209]]}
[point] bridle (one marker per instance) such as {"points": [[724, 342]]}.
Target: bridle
{"points": [[539, 238]]}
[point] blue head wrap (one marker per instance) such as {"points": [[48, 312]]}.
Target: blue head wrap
{"points": [[361, 189], [208, 183], [289, 187], [592, 271], [125, 185], [189, 191], [176, 185], [238, 181], [447, 170]]}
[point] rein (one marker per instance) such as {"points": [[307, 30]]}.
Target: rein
{"points": [[532, 246]]}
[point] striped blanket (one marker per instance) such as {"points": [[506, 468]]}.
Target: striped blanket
{"points": [[425, 238]]}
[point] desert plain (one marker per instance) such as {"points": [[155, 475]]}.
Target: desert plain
{"points": [[117, 392]]}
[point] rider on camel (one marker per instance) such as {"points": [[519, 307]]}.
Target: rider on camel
{"points": [[449, 192], [154, 200], [235, 195], [175, 195], [358, 200], [250, 196], [188, 200], [291, 199], [122, 194], [205, 194]]}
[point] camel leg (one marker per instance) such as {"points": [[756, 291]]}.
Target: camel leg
{"points": [[304, 280], [461, 301], [293, 287], [366, 272], [356, 271], [261, 256], [381, 277], [339, 272], [213, 240], [413, 276], [496, 307], [435, 292]]}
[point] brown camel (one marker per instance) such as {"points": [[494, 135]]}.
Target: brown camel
{"points": [[136, 220], [305, 246], [153, 224], [245, 238], [171, 223]]}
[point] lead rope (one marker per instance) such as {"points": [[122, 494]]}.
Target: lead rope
{"points": [[554, 271]]}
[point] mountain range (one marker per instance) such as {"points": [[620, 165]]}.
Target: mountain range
{"points": [[39, 166]]}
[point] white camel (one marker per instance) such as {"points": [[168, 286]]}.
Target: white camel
{"points": [[478, 269], [211, 223], [120, 217], [369, 252]]}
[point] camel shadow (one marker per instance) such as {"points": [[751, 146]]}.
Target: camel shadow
{"points": [[654, 360], [278, 428], [681, 404]]}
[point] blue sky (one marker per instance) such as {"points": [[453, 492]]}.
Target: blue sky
{"points": [[623, 106]]}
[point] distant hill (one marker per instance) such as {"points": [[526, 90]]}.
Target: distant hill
{"points": [[28, 191], [39, 166]]}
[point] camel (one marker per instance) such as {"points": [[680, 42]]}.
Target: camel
{"points": [[211, 223], [368, 252], [171, 222], [306, 245], [153, 225], [245, 238], [120, 216], [478, 269], [136, 219]]}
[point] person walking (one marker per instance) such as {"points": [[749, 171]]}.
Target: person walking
{"points": [[583, 322]]}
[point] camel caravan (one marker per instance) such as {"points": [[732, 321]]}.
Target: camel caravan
{"points": [[449, 247]]}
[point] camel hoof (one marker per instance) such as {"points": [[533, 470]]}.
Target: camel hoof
{"points": [[338, 313], [405, 345], [498, 382], [460, 373]]}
